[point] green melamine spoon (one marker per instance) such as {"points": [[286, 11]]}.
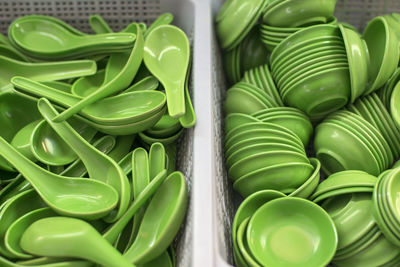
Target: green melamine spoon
{"points": [[18, 205], [122, 147], [157, 160], [44, 71], [22, 140], [189, 119], [100, 167], [50, 237], [84, 86], [15, 230], [48, 147], [163, 260], [163, 19], [47, 39], [166, 55], [77, 169], [55, 20], [140, 179], [77, 197], [120, 81], [114, 111], [98, 24], [115, 229], [165, 127], [161, 220], [147, 83], [4, 40], [61, 86]]}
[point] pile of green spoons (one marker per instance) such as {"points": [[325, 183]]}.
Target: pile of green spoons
{"points": [[90, 128]]}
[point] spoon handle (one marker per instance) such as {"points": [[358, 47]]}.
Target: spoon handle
{"points": [[99, 25], [38, 89], [188, 120], [112, 233], [163, 19], [53, 71]]}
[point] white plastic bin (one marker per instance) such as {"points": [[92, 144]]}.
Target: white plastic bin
{"points": [[226, 201], [193, 243]]}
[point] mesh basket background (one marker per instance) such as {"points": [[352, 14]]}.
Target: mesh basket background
{"points": [[355, 12], [119, 13]]}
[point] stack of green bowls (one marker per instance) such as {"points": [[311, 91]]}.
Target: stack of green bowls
{"points": [[267, 224], [348, 199], [374, 111], [321, 68], [247, 54], [261, 77], [347, 141], [385, 94], [247, 98], [295, 13], [272, 36], [263, 155], [386, 205]]}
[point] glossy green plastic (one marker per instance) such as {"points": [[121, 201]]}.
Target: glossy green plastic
{"points": [[161, 220], [49, 148], [294, 13], [243, 247], [163, 19], [22, 140], [95, 162], [292, 176], [77, 197], [120, 81], [169, 63], [18, 227], [303, 228], [114, 111], [16, 207], [245, 210], [309, 186], [50, 236], [47, 39]]}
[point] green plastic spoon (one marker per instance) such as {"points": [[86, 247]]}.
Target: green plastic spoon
{"points": [[166, 55], [121, 81], [147, 83], [140, 179], [50, 148], [77, 169], [46, 71], [100, 167], [17, 228], [19, 205], [46, 39], [163, 19], [157, 160], [84, 86], [161, 220], [115, 111], [188, 120], [22, 140], [55, 20], [50, 237], [112, 233], [98, 24], [78, 197]]}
